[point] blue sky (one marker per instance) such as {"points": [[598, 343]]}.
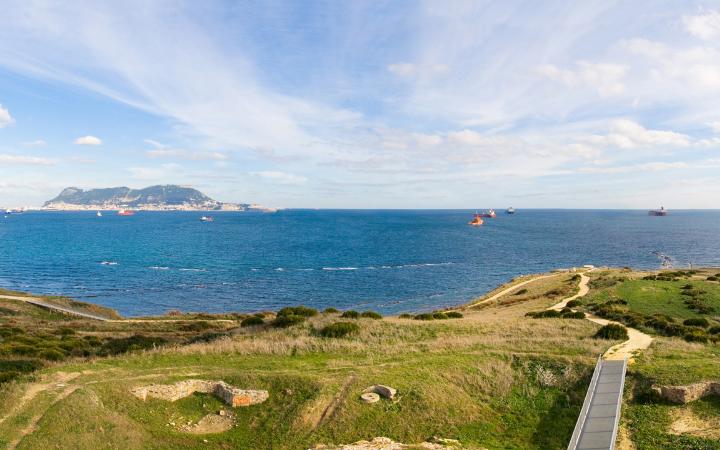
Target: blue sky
{"points": [[397, 104]]}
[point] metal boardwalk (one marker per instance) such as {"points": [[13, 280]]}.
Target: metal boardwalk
{"points": [[597, 424]]}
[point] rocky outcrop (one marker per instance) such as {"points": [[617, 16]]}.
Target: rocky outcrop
{"points": [[382, 390], [689, 393], [383, 443], [229, 394]]}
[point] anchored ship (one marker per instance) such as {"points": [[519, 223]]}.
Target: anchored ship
{"points": [[126, 212], [510, 210], [477, 220], [658, 212]]}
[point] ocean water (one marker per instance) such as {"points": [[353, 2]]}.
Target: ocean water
{"points": [[390, 261]]}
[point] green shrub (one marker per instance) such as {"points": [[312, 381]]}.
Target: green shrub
{"points": [[612, 331], [301, 310], [405, 316], [548, 313], [115, 346], [331, 311], [199, 325], [206, 337], [455, 315], [573, 303], [252, 321], [439, 315], [714, 330], [695, 322], [52, 355], [574, 315], [20, 365], [371, 315], [696, 336], [713, 278], [287, 321], [424, 316], [350, 315], [339, 329]]}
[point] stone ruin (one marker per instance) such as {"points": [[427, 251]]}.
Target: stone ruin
{"points": [[689, 393], [229, 394]]}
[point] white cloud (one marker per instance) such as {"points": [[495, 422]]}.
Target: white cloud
{"points": [[185, 154], [25, 160], [715, 126], [644, 167], [88, 140], [280, 177], [407, 70], [704, 26], [5, 117], [627, 134], [606, 79]]}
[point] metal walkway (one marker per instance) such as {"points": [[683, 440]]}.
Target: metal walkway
{"points": [[597, 424]]}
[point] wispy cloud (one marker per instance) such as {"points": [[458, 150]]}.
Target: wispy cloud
{"points": [[26, 160], [5, 117], [88, 140], [280, 177]]}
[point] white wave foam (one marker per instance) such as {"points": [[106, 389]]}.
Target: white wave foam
{"points": [[192, 270], [108, 263], [159, 268], [340, 268]]}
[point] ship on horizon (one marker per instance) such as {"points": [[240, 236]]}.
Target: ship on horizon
{"points": [[658, 212]]}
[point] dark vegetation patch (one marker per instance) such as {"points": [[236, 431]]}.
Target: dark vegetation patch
{"points": [[350, 314], [338, 330], [302, 311], [330, 311], [252, 321], [565, 313], [612, 331], [371, 315], [286, 321], [521, 292], [438, 315]]}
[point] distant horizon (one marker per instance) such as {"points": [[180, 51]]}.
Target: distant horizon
{"points": [[365, 105]]}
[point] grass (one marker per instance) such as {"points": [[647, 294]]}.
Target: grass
{"points": [[492, 380]]}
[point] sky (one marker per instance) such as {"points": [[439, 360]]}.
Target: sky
{"points": [[365, 104]]}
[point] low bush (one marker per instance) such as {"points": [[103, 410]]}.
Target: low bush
{"points": [[521, 292], [339, 329], [574, 315], [424, 316], [696, 336], [52, 355], [439, 315], [405, 316], [714, 330], [371, 315], [455, 315], [252, 321], [350, 314], [115, 346], [199, 325], [548, 313], [330, 311], [286, 321], [713, 278], [301, 310], [612, 331], [697, 322], [573, 303]]}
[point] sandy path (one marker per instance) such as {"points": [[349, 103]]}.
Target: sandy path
{"points": [[38, 301], [637, 340], [512, 288]]}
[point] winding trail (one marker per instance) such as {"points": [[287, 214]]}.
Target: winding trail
{"points": [[39, 301], [637, 340], [512, 288]]}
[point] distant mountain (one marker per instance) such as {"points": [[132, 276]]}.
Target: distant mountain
{"points": [[168, 197]]}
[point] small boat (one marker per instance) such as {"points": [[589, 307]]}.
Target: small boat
{"points": [[207, 219], [658, 212], [510, 210], [126, 212], [477, 220], [99, 214], [490, 214]]}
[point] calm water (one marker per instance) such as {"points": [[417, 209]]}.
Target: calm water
{"points": [[392, 261]]}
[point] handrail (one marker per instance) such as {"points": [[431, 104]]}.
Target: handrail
{"points": [[585, 407]]}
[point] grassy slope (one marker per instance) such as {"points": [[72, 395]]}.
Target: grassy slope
{"points": [[493, 379], [669, 361]]}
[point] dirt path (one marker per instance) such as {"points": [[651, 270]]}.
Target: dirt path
{"points": [[38, 301], [512, 288], [637, 340]]}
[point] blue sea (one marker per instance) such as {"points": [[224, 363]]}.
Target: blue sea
{"points": [[390, 261]]}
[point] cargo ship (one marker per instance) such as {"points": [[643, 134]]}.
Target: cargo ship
{"points": [[126, 212], [510, 210], [658, 212], [490, 214], [477, 220]]}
